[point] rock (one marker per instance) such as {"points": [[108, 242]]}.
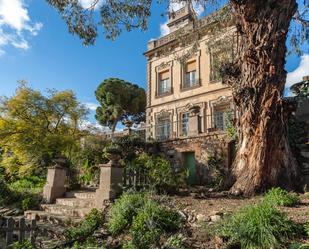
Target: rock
{"points": [[215, 218], [202, 218], [183, 215], [220, 213]]}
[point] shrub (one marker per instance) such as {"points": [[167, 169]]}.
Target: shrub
{"points": [[280, 197], [306, 227], [86, 228], [31, 184], [22, 245], [257, 227], [4, 191], [151, 222], [123, 211], [175, 242], [143, 219], [163, 176]]}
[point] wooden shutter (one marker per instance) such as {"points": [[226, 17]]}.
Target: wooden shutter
{"points": [[191, 66]]}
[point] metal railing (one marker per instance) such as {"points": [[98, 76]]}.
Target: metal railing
{"points": [[217, 122], [188, 83]]}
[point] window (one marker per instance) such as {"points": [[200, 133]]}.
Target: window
{"points": [[164, 83], [190, 79], [185, 123], [163, 128], [219, 120]]}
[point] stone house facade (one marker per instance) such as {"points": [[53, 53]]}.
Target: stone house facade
{"points": [[187, 103]]}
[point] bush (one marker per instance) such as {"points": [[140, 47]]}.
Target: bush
{"points": [[86, 228], [257, 227], [151, 222], [280, 197], [123, 211], [31, 184], [175, 242], [144, 219], [163, 176], [4, 191], [22, 245]]}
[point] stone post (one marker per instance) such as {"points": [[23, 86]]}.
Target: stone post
{"points": [[110, 180], [55, 185]]}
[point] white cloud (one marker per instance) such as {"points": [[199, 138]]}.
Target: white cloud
{"points": [[174, 6], [86, 4], [91, 106], [16, 27], [298, 74]]}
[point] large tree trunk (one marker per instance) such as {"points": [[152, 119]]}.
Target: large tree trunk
{"points": [[264, 157]]}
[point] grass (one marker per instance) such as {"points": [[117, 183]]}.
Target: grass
{"points": [[280, 197], [261, 226]]}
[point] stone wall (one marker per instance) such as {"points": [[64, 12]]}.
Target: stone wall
{"points": [[204, 147]]}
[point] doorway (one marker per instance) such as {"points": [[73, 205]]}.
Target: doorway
{"points": [[189, 162]]}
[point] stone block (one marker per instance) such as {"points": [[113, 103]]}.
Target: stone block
{"points": [[110, 184], [55, 185]]}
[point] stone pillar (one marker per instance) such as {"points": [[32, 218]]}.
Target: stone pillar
{"points": [[55, 185], [193, 125], [110, 181]]}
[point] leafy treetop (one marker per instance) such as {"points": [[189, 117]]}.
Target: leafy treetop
{"points": [[120, 101]]}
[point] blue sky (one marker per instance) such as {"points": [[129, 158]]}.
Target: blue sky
{"points": [[35, 46]]}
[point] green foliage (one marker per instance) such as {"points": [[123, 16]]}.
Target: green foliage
{"points": [[89, 244], [120, 101], [280, 197], [123, 211], [34, 129], [175, 242], [299, 246], [89, 156], [22, 245], [306, 227], [215, 164], [144, 219], [230, 127], [163, 176], [31, 184], [4, 191], [257, 227], [86, 228]]}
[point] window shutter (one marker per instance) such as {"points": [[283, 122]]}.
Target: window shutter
{"points": [[191, 66], [164, 75]]}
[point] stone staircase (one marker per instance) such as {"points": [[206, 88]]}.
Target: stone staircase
{"points": [[73, 206]]}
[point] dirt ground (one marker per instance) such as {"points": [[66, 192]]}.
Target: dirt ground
{"points": [[195, 205]]}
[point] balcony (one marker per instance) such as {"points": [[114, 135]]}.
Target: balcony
{"points": [[164, 92], [218, 122], [190, 83]]}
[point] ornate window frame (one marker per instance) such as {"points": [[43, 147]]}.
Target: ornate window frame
{"points": [[197, 58], [164, 66]]}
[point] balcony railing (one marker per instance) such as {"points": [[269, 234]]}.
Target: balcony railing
{"points": [[166, 91], [189, 83], [211, 123]]}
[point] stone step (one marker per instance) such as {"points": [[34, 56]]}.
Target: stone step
{"points": [[76, 202], [54, 219], [65, 210], [80, 194]]}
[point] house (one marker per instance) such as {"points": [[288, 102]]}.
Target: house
{"points": [[188, 106]]}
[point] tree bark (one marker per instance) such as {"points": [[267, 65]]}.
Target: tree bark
{"points": [[264, 158]]}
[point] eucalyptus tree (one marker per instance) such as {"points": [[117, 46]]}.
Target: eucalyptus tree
{"points": [[257, 76], [120, 101]]}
